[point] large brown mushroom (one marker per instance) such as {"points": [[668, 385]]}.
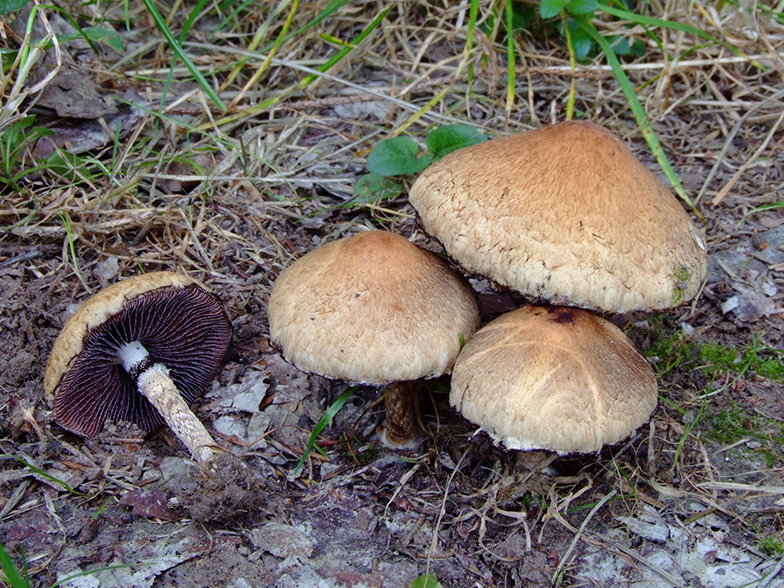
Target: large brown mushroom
{"points": [[565, 214], [553, 378], [140, 350], [373, 309]]}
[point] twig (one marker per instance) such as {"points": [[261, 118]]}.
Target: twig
{"points": [[434, 541], [769, 578], [556, 580], [728, 142], [32, 254], [728, 186]]}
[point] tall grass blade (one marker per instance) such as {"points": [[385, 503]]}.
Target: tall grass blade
{"points": [[665, 24], [322, 424], [473, 14], [12, 575], [177, 47], [510, 58], [330, 63], [41, 473], [270, 55], [328, 11], [183, 33]]}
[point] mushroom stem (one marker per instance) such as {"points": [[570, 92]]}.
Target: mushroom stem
{"points": [[400, 430], [154, 382]]}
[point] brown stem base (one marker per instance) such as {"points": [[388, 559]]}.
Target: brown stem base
{"points": [[400, 430]]}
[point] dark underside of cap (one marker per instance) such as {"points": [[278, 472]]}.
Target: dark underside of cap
{"points": [[186, 329]]}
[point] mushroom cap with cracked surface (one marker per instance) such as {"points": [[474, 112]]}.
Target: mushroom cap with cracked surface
{"points": [[565, 214], [176, 319], [555, 378], [372, 309]]}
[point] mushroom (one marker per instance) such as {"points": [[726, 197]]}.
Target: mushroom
{"points": [[140, 350], [373, 309], [553, 378], [566, 214]]}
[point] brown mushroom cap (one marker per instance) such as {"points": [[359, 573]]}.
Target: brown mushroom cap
{"points": [[553, 378], [373, 309], [180, 323], [566, 214]]}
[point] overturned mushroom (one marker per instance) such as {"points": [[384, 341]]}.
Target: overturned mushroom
{"points": [[140, 351], [373, 309]]}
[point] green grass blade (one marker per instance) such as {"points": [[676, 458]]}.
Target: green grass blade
{"points": [[328, 11], [305, 82], [183, 33], [639, 112], [270, 56], [572, 66], [260, 35], [67, 16], [666, 24], [40, 472], [473, 14], [177, 47], [12, 575], [88, 573], [322, 424], [231, 16], [330, 63], [510, 58]]}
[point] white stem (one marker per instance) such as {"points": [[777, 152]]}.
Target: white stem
{"points": [[132, 354], [156, 385]]}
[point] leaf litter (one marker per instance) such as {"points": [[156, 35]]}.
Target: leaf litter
{"points": [[232, 198]]}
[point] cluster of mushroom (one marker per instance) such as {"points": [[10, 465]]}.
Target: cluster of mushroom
{"points": [[568, 216], [565, 214]]}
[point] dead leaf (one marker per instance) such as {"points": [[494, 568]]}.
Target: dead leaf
{"points": [[150, 504]]}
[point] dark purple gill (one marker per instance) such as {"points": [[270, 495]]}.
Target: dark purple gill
{"points": [[186, 329]]}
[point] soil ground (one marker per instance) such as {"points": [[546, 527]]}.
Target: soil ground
{"points": [[694, 498]]}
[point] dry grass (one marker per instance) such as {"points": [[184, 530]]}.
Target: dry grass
{"points": [[231, 195]]}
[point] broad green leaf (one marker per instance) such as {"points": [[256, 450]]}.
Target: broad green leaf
{"points": [[19, 134], [551, 8], [448, 138], [68, 165], [522, 16], [620, 45], [396, 157], [96, 34], [7, 6], [581, 41], [582, 6], [109, 36], [14, 135], [426, 581], [373, 187]]}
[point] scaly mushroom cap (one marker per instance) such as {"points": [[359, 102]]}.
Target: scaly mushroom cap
{"points": [[178, 321], [566, 214], [373, 309], [553, 378]]}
